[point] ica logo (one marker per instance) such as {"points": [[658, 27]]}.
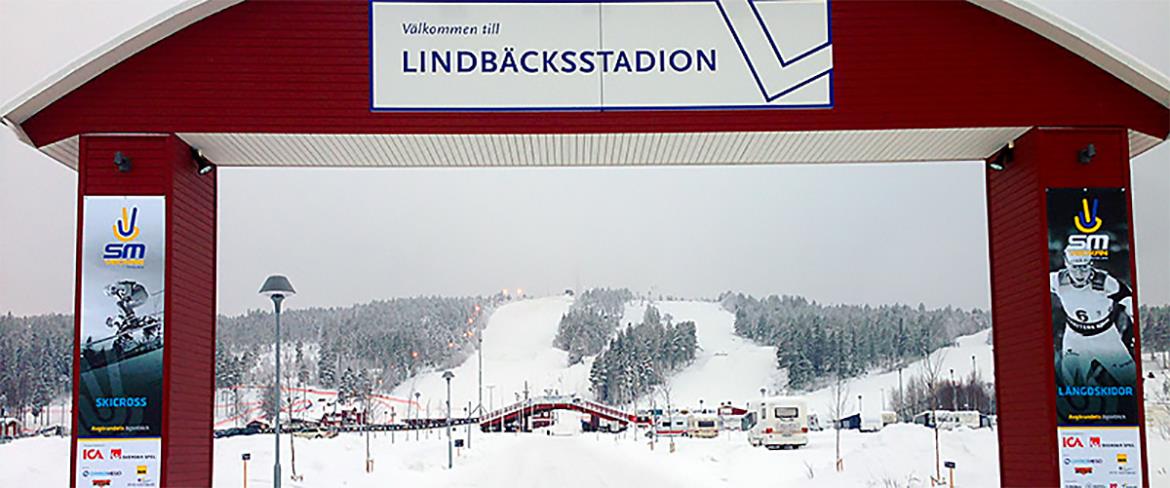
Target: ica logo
{"points": [[125, 252], [1073, 442], [1087, 243], [89, 454]]}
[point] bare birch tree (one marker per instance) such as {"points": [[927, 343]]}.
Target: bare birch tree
{"points": [[838, 403], [932, 368]]}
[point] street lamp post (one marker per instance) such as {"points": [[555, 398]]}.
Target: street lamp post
{"points": [[277, 288], [366, 424], [954, 392], [447, 375], [972, 397], [417, 399]]}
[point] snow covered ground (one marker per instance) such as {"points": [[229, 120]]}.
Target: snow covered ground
{"points": [[901, 453]]}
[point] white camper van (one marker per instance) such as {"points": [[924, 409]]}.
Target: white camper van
{"points": [[949, 420], [670, 425], [780, 422]]}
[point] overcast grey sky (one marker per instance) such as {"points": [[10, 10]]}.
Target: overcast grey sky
{"points": [[819, 231]]}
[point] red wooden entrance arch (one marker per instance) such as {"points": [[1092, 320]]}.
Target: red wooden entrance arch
{"points": [[291, 83]]}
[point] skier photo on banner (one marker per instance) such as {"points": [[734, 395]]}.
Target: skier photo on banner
{"points": [[131, 329], [1098, 324], [1092, 307]]}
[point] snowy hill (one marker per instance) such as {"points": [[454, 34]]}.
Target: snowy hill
{"points": [[517, 347], [880, 387], [726, 367]]}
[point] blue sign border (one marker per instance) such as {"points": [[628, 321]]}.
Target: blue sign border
{"points": [[727, 22]]}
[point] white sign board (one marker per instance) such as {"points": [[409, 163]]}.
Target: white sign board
{"points": [[1100, 456], [116, 463], [600, 55]]}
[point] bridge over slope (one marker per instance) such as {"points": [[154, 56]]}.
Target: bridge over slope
{"points": [[523, 410]]}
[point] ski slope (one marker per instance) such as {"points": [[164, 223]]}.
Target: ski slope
{"points": [[726, 367], [517, 347]]}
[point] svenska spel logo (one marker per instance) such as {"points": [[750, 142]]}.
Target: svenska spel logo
{"points": [[1088, 242], [126, 252]]}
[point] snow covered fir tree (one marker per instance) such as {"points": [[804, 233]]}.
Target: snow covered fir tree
{"points": [[642, 357]]}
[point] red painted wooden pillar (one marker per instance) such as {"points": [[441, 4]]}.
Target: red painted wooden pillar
{"points": [[162, 165], [1021, 301]]}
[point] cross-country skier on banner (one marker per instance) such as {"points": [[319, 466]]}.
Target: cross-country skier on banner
{"points": [[1097, 334]]}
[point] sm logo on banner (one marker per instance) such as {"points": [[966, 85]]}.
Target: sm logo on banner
{"points": [[1088, 222], [125, 252]]}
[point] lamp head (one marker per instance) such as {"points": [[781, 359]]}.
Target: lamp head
{"points": [[277, 287], [122, 162], [202, 164], [447, 375], [1086, 154]]}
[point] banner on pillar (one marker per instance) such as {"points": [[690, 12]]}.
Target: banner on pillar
{"points": [[1090, 280], [120, 342]]}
